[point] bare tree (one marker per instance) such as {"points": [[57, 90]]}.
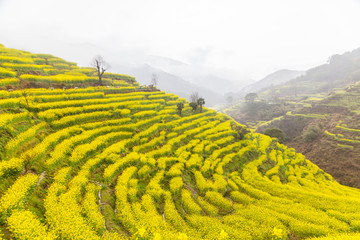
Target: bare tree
{"points": [[101, 66], [154, 79], [194, 97]]}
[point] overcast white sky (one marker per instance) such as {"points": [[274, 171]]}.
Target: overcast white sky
{"points": [[253, 37]]}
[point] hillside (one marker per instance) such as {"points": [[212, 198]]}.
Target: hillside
{"points": [[123, 163], [21, 69], [327, 132], [326, 96]]}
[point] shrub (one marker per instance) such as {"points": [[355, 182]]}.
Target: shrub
{"points": [[240, 130], [311, 133], [275, 133]]}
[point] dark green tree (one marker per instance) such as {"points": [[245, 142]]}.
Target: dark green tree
{"points": [[201, 102], [250, 97], [194, 106], [240, 131], [180, 107]]}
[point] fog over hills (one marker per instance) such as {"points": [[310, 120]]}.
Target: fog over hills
{"points": [[169, 82], [219, 80], [271, 80], [174, 76], [339, 71]]}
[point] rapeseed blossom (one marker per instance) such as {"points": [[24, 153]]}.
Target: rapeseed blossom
{"points": [[278, 232], [141, 232], [157, 236], [223, 234], [182, 236]]}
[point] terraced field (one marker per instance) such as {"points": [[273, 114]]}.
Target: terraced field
{"points": [[342, 140], [24, 69], [120, 163]]}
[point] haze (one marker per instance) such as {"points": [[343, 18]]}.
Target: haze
{"points": [[237, 40]]}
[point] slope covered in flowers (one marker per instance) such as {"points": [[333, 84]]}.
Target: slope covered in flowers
{"points": [[120, 163], [22, 69]]}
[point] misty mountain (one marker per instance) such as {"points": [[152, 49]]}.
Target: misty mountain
{"points": [[338, 72], [220, 81], [274, 79], [169, 82], [176, 76], [215, 83]]}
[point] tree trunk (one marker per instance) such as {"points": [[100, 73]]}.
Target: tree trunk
{"points": [[100, 81], [100, 76]]}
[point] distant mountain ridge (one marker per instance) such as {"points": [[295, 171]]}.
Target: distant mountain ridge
{"points": [[274, 79], [219, 80], [338, 72], [170, 83]]}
